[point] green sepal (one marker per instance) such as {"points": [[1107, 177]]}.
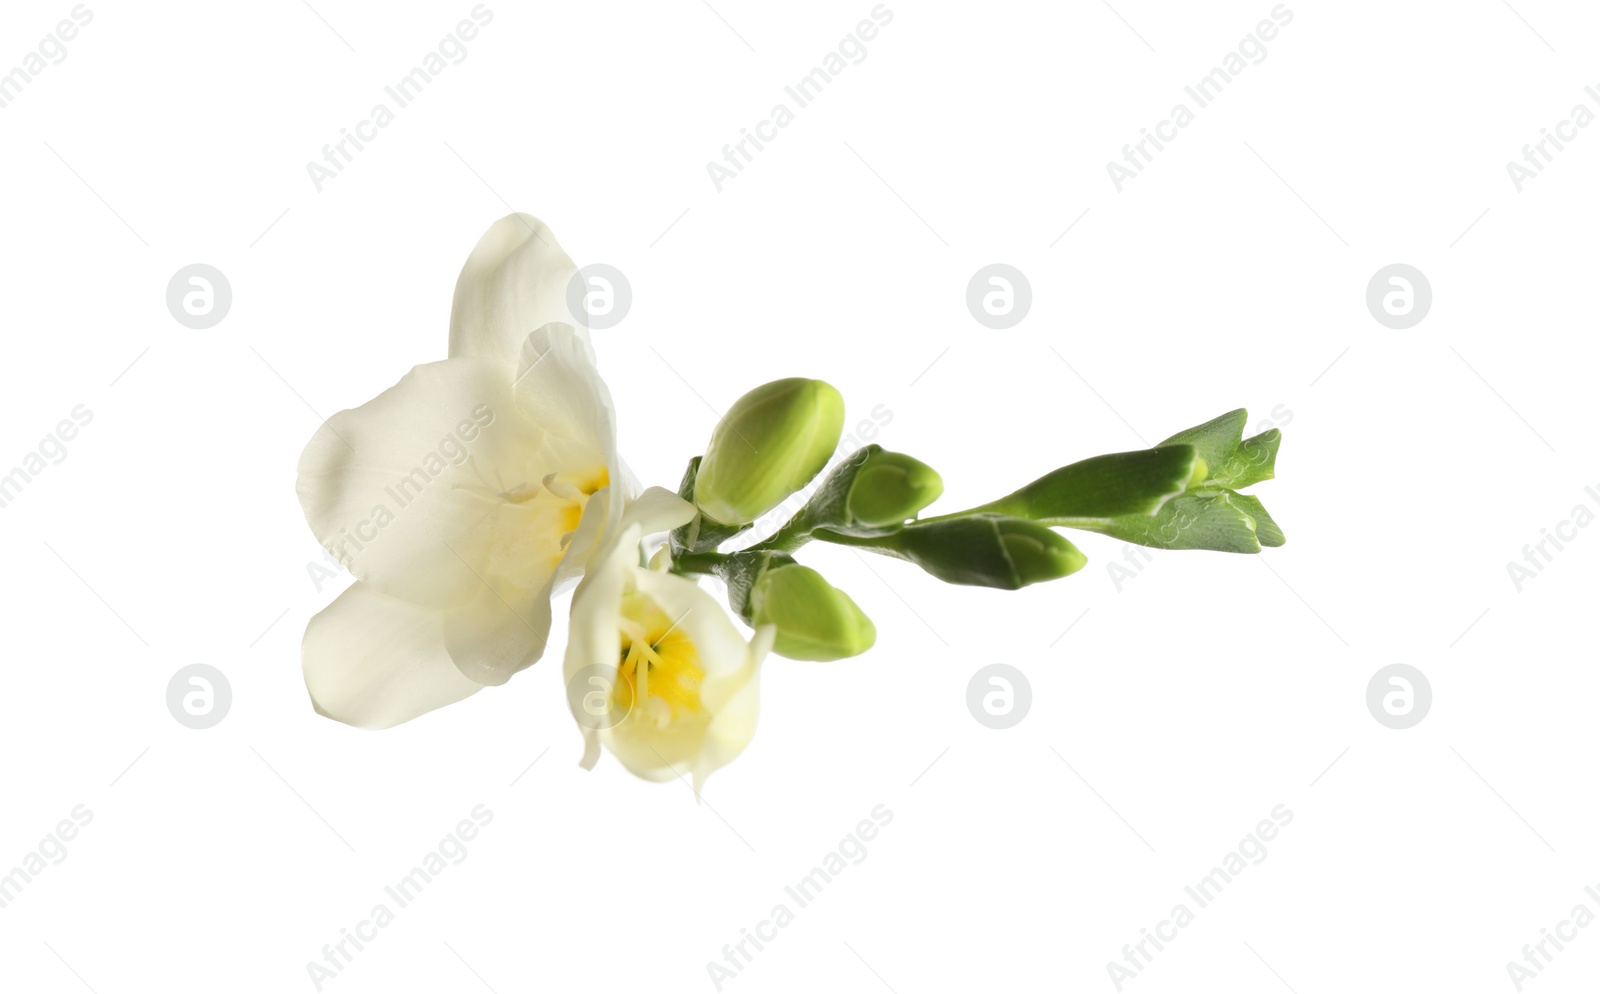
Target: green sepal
{"points": [[1267, 531], [828, 504], [1255, 461], [1214, 441], [741, 571], [833, 505], [1231, 460], [1223, 521]]}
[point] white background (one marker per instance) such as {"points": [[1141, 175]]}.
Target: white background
{"points": [[1175, 714]]}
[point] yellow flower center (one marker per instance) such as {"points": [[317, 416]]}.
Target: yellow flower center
{"points": [[659, 673], [557, 505], [567, 493]]}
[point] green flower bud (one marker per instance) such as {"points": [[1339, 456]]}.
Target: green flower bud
{"points": [[891, 487], [815, 619], [982, 550], [1039, 554], [1106, 486], [770, 443]]}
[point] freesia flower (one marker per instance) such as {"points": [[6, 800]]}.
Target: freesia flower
{"points": [[463, 496], [656, 670]]}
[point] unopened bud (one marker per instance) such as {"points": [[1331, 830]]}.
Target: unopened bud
{"points": [[891, 487], [985, 550], [770, 444], [815, 620]]}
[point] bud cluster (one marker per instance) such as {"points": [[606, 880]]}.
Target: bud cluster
{"points": [[1179, 494]]}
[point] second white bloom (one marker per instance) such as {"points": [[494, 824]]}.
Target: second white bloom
{"points": [[656, 670]]}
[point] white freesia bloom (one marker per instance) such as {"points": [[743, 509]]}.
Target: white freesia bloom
{"points": [[462, 496], [678, 683]]}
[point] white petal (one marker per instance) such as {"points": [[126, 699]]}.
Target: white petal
{"points": [[404, 490], [373, 661], [597, 604], [514, 281], [501, 630], [559, 387], [657, 510], [592, 628], [595, 532], [736, 704]]}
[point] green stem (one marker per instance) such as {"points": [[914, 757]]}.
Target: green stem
{"points": [[795, 533], [990, 508], [999, 507], [703, 563], [857, 541]]}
